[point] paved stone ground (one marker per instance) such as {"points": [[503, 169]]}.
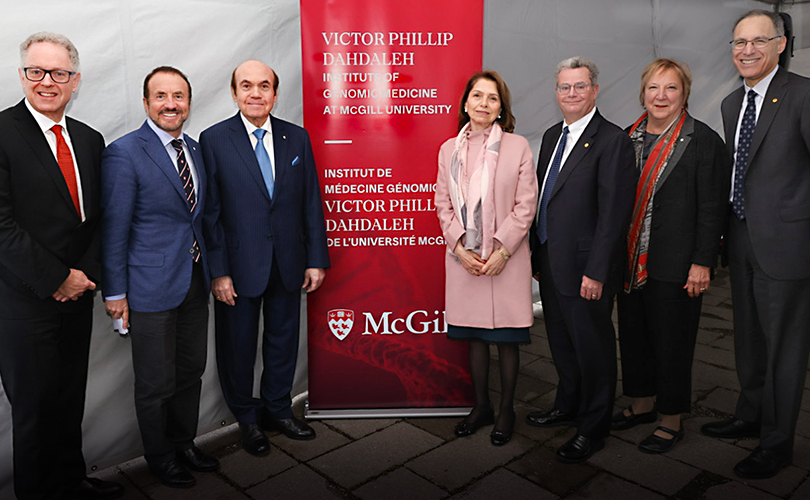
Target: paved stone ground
{"points": [[421, 458]]}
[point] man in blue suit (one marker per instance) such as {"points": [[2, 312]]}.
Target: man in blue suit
{"points": [[266, 241], [155, 273]]}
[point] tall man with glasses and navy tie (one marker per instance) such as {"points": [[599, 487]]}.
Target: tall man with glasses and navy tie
{"points": [[767, 128], [49, 268], [266, 241], [587, 181], [153, 187]]}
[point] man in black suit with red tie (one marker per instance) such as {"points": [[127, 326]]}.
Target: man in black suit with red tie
{"points": [[587, 178], [49, 267], [767, 128]]}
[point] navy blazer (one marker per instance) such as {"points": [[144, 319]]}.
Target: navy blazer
{"points": [[147, 228], [590, 205], [41, 234], [777, 180], [246, 228]]}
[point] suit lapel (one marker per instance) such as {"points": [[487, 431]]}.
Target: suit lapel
{"points": [[279, 151], [241, 142], [545, 154], [158, 154], [770, 105], [731, 114], [581, 148], [33, 136], [82, 151]]}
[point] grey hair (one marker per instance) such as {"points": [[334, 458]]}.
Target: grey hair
{"points": [[55, 38], [776, 19], [578, 62]]}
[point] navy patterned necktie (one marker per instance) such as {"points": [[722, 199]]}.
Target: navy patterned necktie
{"points": [[188, 188], [749, 121], [554, 171]]}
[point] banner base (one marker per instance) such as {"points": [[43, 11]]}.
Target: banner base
{"points": [[387, 413]]}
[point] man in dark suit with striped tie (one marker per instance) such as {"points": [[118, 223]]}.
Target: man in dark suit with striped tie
{"points": [[267, 242]]}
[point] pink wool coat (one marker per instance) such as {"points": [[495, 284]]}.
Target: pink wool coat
{"points": [[504, 300]]}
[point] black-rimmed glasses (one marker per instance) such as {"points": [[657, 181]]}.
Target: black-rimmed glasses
{"points": [[57, 75]]}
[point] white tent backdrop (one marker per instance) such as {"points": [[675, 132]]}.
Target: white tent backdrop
{"points": [[121, 41]]}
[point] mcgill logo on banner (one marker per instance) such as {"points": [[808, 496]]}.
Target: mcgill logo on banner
{"points": [[340, 322]]}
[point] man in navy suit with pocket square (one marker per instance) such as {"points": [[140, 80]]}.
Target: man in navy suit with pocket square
{"points": [[155, 274], [266, 241]]}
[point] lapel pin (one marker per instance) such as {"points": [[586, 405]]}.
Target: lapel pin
{"points": [[586, 144], [283, 136], [775, 99]]}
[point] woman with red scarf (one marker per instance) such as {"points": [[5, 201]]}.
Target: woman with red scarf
{"points": [[678, 217]]}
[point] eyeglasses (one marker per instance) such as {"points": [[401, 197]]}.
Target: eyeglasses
{"points": [[57, 75], [579, 88], [758, 43]]}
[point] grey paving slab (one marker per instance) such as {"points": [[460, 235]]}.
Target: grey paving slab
{"points": [[782, 484], [357, 428], [801, 453], [726, 343], [442, 427], [210, 485], [400, 484], [137, 472], [503, 485], [246, 470], [656, 472], [326, 440], [365, 458], [734, 490], [723, 400], [541, 369], [717, 312], [714, 376], [710, 454], [605, 486], [803, 424], [707, 337], [458, 462], [300, 482], [803, 491], [542, 467], [714, 356]]}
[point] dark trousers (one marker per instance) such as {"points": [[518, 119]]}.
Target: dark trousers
{"points": [[657, 332], [771, 342], [43, 364], [583, 346], [168, 355], [237, 329]]}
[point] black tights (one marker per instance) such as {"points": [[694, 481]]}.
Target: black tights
{"points": [[479, 372]]}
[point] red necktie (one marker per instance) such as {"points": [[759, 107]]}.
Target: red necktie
{"points": [[65, 160]]}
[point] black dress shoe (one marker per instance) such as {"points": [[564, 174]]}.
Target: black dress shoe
{"points": [[254, 441], [290, 427], [655, 444], [500, 438], [91, 488], [578, 449], [195, 459], [762, 464], [731, 428], [551, 418], [173, 474], [465, 428], [620, 421]]}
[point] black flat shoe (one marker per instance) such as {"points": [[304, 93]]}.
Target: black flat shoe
{"points": [[196, 460], [500, 438], [655, 444], [253, 440], [464, 428], [620, 421], [578, 449], [173, 474], [550, 418], [291, 427], [762, 464], [731, 428]]}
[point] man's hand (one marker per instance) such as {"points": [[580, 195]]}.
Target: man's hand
{"points": [[223, 290], [590, 289], [73, 287], [313, 278], [118, 309]]}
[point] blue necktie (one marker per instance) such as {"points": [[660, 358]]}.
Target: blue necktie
{"points": [[741, 162], [264, 161], [542, 227]]}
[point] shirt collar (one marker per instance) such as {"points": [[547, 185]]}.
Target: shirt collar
{"points": [[579, 125], [43, 121], [165, 137], [761, 88], [251, 127]]}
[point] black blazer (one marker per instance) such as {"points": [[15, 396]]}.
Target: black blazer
{"points": [[777, 180], [589, 209], [41, 235], [690, 204]]}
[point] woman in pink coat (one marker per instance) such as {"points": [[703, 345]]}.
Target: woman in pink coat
{"points": [[486, 196]]}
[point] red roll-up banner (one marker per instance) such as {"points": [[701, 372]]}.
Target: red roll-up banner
{"points": [[382, 83]]}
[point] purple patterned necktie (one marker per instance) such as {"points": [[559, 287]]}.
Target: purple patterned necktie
{"points": [[188, 187]]}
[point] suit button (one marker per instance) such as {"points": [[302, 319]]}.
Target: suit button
{"points": [[191, 250], [269, 236]]}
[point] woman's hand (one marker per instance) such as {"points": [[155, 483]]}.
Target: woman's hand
{"points": [[697, 281], [495, 263], [471, 261]]}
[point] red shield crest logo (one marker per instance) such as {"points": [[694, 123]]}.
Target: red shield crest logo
{"points": [[340, 321]]}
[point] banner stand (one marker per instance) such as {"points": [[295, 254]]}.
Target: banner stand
{"points": [[388, 413]]}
